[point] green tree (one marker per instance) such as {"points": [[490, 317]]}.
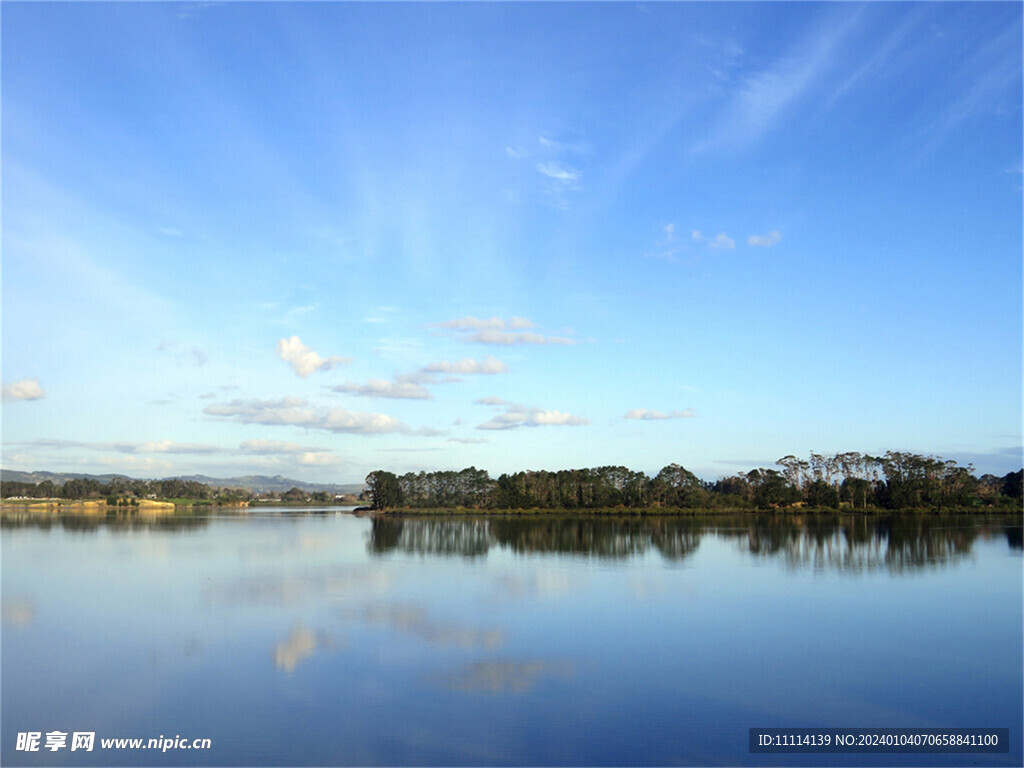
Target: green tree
{"points": [[385, 491], [676, 486], [1012, 484]]}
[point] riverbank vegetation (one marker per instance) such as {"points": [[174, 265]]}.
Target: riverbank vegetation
{"points": [[124, 492], [851, 481]]}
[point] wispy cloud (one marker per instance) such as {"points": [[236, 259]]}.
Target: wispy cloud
{"points": [[516, 416], [468, 366], [765, 241], [721, 241], [146, 447], [563, 146], [271, 447], [559, 172], [644, 414], [510, 338], [297, 412], [380, 315], [397, 390], [23, 389], [990, 74], [409, 386], [194, 356], [492, 401], [668, 246], [267, 453], [766, 98], [304, 360], [499, 332], [559, 179], [476, 324], [169, 446]]}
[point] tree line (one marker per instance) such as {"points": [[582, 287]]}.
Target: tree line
{"points": [[126, 490], [897, 480], [123, 489]]}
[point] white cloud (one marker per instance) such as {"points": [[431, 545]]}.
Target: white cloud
{"points": [[409, 386], [512, 338], [577, 147], [317, 459], [765, 241], [559, 172], [500, 332], [491, 401], [271, 447], [24, 389], [167, 446], [520, 416], [643, 414], [151, 446], [721, 240], [559, 178], [495, 323], [398, 390], [304, 360], [466, 440], [488, 366], [297, 412]]}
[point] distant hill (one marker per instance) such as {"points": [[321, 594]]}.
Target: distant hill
{"points": [[263, 483], [257, 483], [58, 478]]}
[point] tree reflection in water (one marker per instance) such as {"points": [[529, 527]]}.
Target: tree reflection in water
{"points": [[895, 543], [675, 538], [111, 521]]}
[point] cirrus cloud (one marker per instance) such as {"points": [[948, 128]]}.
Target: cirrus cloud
{"points": [[644, 414]]}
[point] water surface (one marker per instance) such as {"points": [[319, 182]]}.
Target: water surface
{"points": [[330, 639]]}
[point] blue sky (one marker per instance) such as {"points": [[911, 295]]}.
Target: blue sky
{"points": [[321, 239]]}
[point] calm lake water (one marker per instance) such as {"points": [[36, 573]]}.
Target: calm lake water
{"points": [[330, 639]]}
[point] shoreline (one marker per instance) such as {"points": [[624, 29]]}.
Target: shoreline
{"points": [[631, 512]]}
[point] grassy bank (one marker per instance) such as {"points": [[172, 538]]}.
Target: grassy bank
{"points": [[104, 507], [622, 511]]}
